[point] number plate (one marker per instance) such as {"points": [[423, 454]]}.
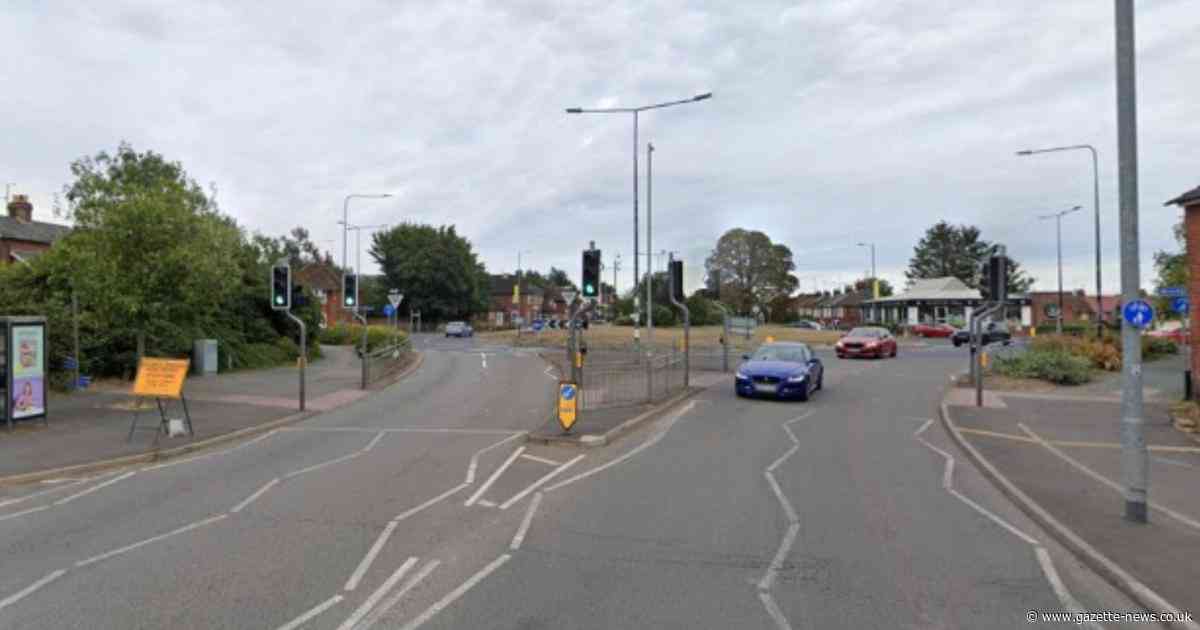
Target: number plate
{"points": [[766, 388]]}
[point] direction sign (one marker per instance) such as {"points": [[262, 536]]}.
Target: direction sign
{"points": [[568, 405], [1172, 292], [389, 310], [1138, 313], [538, 324], [395, 297], [1180, 305]]}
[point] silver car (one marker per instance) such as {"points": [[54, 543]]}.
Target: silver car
{"points": [[459, 329]]}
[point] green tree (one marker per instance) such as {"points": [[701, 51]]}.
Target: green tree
{"points": [[436, 269], [950, 250], [863, 285], [559, 278], [748, 270], [1171, 270]]}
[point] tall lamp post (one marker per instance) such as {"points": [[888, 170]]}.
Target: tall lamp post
{"points": [[1057, 216], [635, 111], [874, 275], [1096, 208], [346, 231], [358, 252]]}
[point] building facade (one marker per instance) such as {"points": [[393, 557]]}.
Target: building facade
{"points": [[940, 300], [22, 238]]}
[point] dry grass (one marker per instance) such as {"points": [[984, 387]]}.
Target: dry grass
{"points": [[605, 336]]}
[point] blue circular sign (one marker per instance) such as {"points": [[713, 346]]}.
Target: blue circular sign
{"points": [[538, 324], [1180, 305], [1138, 313], [389, 310], [568, 392]]}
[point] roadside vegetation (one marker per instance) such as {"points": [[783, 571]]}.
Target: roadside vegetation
{"points": [[378, 336], [1072, 360]]}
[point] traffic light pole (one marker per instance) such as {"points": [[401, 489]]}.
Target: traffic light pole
{"points": [[687, 321], [303, 352]]}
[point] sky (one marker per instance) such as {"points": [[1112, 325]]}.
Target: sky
{"points": [[832, 122]]}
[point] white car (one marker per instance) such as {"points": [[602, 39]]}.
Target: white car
{"points": [[459, 329]]}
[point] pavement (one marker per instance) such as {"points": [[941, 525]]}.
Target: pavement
{"points": [[1062, 451], [423, 507], [92, 425]]}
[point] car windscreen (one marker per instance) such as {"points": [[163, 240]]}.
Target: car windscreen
{"points": [[793, 354], [866, 332]]}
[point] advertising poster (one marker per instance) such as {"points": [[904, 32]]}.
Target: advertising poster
{"points": [[28, 391]]}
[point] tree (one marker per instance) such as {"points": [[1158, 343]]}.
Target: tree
{"points": [[748, 270], [863, 285], [559, 278], [438, 271], [1171, 270], [950, 250]]}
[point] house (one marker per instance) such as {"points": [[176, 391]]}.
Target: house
{"points": [[22, 238], [846, 311], [805, 305], [326, 285], [1077, 307], [509, 297], [938, 300]]}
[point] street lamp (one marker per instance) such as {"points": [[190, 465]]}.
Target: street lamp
{"points": [[520, 291], [346, 223], [1096, 206], [874, 276], [635, 111], [1057, 216], [358, 252]]}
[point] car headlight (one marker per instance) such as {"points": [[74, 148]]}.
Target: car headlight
{"points": [[741, 375], [799, 378]]}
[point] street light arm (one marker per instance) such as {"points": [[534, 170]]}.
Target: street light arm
{"points": [[626, 110], [1053, 149]]}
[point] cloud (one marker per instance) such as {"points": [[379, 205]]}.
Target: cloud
{"points": [[833, 121]]}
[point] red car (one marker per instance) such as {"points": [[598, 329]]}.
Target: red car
{"points": [[867, 342], [933, 330], [1177, 335]]}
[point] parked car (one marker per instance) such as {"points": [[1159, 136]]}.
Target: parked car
{"points": [[933, 330], [806, 324], [784, 370], [459, 329], [867, 341], [1177, 335], [993, 332]]}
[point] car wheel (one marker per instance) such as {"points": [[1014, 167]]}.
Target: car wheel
{"points": [[894, 351], [821, 381], [803, 397]]}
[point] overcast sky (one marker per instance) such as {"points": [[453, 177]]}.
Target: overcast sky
{"points": [[832, 121]]}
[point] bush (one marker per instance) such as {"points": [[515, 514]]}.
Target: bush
{"points": [[338, 335], [1101, 354], [1155, 347], [1075, 329], [1054, 366], [351, 335]]}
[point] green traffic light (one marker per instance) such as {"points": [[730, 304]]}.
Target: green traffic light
{"points": [[279, 299]]}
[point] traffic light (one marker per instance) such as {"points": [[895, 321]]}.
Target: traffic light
{"points": [[677, 280], [298, 297], [591, 273], [350, 290], [281, 285], [994, 285]]}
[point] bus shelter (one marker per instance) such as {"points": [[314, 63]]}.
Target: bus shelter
{"points": [[23, 369]]}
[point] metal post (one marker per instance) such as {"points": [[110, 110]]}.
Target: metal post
{"points": [[363, 319], [1061, 312], [724, 335], [1134, 464], [1096, 206], [303, 353], [636, 314], [687, 324], [649, 243], [75, 325]]}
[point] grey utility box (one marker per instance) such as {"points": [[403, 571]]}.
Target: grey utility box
{"points": [[204, 357]]}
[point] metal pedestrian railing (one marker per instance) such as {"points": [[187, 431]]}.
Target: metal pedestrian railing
{"points": [[383, 362], [621, 379]]}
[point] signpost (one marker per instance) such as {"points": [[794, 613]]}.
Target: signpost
{"points": [[1172, 292], [394, 299], [744, 325], [568, 405], [1179, 304], [538, 324], [159, 379]]}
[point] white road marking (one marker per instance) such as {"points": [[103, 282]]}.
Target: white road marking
{"points": [[1163, 460], [115, 552], [95, 488], [322, 465], [547, 373], [452, 596], [524, 528], [208, 455], [485, 503], [408, 430], [537, 484], [39, 493], [773, 610], [445, 495], [379, 593], [673, 418], [365, 564], [374, 442], [788, 510], [250, 499], [495, 475], [484, 358], [24, 512], [29, 590], [548, 462], [785, 546], [787, 454], [316, 610], [1056, 583], [387, 605], [1105, 480], [475, 458]]}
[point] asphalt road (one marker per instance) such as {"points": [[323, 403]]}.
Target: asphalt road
{"points": [[422, 507]]}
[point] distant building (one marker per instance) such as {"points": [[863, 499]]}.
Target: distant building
{"points": [[1077, 307], [939, 300], [326, 284], [508, 298], [22, 238]]}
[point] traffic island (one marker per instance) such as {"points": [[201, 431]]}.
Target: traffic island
{"points": [[601, 427]]}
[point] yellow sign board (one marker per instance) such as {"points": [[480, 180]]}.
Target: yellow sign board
{"points": [[161, 378], [568, 405]]}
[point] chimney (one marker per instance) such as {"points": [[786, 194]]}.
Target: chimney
{"points": [[20, 209]]}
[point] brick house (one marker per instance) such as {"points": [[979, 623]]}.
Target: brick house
{"points": [[1190, 202], [326, 284], [22, 238], [503, 300], [1077, 307]]}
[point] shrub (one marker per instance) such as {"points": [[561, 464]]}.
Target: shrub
{"points": [[1054, 366], [338, 335], [351, 335], [1074, 329], [1102, 354], [1154, 347]]}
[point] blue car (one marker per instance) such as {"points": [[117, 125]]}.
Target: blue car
{"points": [[780, 370]]}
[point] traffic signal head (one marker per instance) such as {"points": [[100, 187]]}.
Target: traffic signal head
{"points": [[350, 290], [298, 297], [995, 279], [591, 273], [677, 280], [281, 287]]}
